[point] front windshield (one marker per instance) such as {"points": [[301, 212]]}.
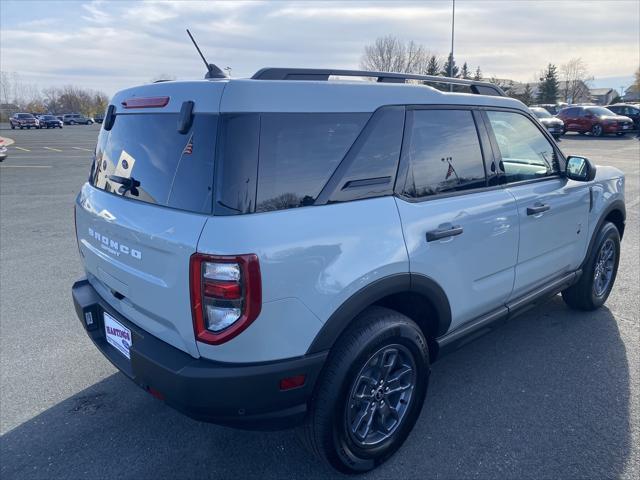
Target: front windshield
{"points": [[25, 115], [49, 117], [600, 111], [541, 113]]}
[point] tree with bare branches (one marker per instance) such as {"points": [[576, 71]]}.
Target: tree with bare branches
{"points": [[575, 76], [390, 54]]}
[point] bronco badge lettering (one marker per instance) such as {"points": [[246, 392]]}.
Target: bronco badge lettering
{"points": [[114, 247]]}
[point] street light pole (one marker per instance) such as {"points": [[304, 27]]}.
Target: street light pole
{"points": [[453, 24]]}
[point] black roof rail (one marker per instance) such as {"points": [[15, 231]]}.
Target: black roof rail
{"points": [[478, 87]]}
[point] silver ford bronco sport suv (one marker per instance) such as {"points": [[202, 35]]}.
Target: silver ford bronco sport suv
{"points": [[298, 247]]}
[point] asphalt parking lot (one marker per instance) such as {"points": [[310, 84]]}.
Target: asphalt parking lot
{"points": [[552, 394]]}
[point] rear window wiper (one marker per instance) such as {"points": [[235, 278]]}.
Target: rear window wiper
{"points": [[128, 184]]}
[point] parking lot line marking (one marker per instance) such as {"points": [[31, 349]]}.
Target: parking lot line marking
{"points": [[23, 149], [25, 166], [85, 149], [54, 149]]}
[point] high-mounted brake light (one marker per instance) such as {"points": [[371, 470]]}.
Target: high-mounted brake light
{"points": [[145, 102], [226, 295]]}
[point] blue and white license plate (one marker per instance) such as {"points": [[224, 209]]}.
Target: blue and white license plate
{"points": [[625, 127], [117, 335]]}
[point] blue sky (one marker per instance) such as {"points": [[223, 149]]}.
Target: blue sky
{"points": [[111, 45]]}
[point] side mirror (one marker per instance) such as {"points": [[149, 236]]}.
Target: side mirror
{"points": [[580, 169]]}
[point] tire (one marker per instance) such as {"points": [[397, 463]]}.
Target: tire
{"points": [[13, 127], [351, 368], [589, 294], [596, 130]]}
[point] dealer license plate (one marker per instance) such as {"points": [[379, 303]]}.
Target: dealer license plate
{"points": [[118, 336]]}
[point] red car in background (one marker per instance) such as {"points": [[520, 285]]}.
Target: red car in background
{"points": [[595, 120]]}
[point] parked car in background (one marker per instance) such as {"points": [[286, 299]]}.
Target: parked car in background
{"points": [[628, 110], [552, 108], [50, 121], [99, 118], [595, 120], [551, 123], [76, 119], [23, 120]]}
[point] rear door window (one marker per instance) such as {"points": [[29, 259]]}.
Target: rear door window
{"points": [[144, 157], [443, 153], [298, 154]]}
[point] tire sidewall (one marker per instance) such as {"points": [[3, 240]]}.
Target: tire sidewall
{"points": [[352, 457], [608, 231]]}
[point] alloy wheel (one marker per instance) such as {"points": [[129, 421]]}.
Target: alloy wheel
{"points": [[603, 272], [380, 396]]}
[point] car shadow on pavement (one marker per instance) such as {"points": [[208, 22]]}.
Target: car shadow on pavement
{"points": [[544, 396]]}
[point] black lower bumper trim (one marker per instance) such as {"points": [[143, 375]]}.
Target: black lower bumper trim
{"points": [[239, 395]]}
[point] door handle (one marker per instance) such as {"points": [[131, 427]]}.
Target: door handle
{"points": [[443, 233], [538, 208]]}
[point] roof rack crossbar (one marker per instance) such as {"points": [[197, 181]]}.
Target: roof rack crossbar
{"points": [[318, 74]]}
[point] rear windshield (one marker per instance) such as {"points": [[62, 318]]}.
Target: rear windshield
{"points": [[541, 113], [145, 158]]}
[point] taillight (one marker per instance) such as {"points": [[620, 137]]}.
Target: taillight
{"points": [[226, 295]]}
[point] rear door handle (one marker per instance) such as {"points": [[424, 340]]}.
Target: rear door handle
{"points": [[538, 208], [444, 233]]}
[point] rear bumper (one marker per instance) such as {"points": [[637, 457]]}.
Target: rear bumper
{"points": [[239, 395], [616, 128]]}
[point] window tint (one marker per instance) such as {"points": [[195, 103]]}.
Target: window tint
{"points": [[237, 164], [370, 167], [526, 153], [443, 153], [172, 169], [298, 154]]}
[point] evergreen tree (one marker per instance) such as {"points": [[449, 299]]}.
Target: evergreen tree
{"points": [[478, 75], [549, 86], [527, 96], [449, 69], [464, 73], [433, 67]]}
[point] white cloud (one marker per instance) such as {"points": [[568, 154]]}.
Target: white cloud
{"points": [[116, 44], [96, 13]]}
